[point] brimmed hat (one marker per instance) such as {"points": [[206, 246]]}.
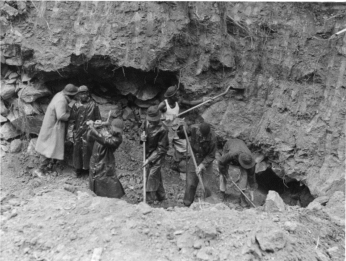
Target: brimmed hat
{"points": [[246, 160], [171, 91], [83, 88], [70, 89], [153, 114]]}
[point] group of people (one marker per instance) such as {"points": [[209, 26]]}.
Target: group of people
{"points": [[95, 141]]}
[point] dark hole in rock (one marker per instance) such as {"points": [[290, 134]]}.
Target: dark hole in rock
{"points": [[292, 193]]}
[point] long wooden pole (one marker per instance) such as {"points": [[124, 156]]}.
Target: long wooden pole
{"points": [[201, 104], [242, 193], [194, 160], [144, 174]]}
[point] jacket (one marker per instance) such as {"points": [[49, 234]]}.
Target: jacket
{"points": [[230, 153], [102, 176], [80, 114], [51, 139]]}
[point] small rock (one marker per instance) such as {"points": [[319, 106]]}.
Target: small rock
{"points": [[274, 202], [11, 11], [3, 109], [15, 61], [290, 226], [128, 114], [314, 205], [7, 91], [14, 202], [321, 256], [203, 255], [2, 119], [178, 232], [333, 252], [146, 231], [31, 147], [16, 146], [32, 93], [184, 241], [8, 131], [198, 244], [144, 208], [206, 230], [270, 238], [323, 200]]}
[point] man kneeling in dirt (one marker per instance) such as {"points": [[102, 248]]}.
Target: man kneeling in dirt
{"points": [[203, 144], [103, 179], [156, 138], [82, 111], [51, 139], [236, 153]]}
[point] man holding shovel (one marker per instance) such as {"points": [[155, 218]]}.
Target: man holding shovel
{"points": [[203, 144], [170, 110], [155, 137]]}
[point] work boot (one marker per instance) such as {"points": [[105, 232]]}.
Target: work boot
{"points": [[243, 202], [223, 196], [79, 173]]}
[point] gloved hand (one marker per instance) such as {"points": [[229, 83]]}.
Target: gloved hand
{"points": [[206, 98], [200, 168], [143, 137]]}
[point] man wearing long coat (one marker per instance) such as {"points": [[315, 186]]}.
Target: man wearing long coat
{"points": [[82, 111], [51, 139], [103, 179]]}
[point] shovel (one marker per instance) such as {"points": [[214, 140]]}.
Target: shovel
{"points": [[194, 160], [211, 99]]}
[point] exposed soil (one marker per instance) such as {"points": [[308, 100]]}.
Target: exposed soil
{"points": [[58, 218]]}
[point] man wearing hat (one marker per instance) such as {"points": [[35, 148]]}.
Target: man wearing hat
{"points": [[203, 144], [170, 110], [105, 139], [236, 153], [51, 139], [156, 138], [84, 110]]}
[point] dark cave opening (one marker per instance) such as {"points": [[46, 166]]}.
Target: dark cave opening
{"points": [[292, 193]]}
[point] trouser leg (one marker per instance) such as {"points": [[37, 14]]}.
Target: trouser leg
{"points": [[206, 175], [154, 181], [191, 184]]}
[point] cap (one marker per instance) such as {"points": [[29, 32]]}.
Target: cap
{"points": [[83, 88], [70, 89]]}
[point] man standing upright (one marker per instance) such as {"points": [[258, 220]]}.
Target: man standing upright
{"points": [[203, 144], [236, 153], [156, 138], [51, 139], [170, 109], [82, 111]]}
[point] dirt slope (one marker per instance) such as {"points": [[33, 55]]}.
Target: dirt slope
{"points": [[58, 218]]}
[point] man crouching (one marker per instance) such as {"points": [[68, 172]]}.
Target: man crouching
{"points": [[103, 179]]}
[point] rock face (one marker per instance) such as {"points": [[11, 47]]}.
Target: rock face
{"points": [[293, 81]]}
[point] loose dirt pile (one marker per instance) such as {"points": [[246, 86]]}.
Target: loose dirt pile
{"points": [[58, 218]]}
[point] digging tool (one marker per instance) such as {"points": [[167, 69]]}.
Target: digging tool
{"points": [[242, 192], [211, 99], [144, 174], [194, 160]]}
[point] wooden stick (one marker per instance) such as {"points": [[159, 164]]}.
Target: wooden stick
{"points": [[201, 104], [243, 193], [144, 174], [194, 160]]}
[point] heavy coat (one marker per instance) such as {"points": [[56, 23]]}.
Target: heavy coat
{"points": [[102, 174], [51, 139], [80, 114]]}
